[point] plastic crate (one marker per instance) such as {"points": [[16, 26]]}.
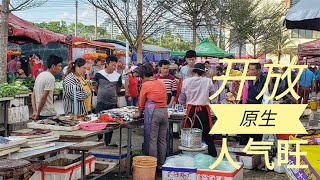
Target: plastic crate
{"points": [[70, 172], [111, 154]]}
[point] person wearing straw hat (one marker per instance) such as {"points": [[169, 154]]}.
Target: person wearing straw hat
{"points": [[195, 93]]}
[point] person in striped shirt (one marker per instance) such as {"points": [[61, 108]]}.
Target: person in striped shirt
{"points": [[169, 81]]}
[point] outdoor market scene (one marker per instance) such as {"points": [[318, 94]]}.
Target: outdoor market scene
{"points": [[163, 89]]}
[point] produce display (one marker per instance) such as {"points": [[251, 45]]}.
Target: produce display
{"points": [[28, 82], [119, 115], [58, 87], [66, 121], [31, 133], [13, 89]]}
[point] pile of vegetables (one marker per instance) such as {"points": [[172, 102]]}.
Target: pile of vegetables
{"points": [[13, 89], [28, 82], [58, 87]]}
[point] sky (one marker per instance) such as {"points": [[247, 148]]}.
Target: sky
{"points": [[62, 10]]}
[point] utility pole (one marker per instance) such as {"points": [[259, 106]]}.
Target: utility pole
{"points": [[127, 42], [111, 29], [76, 25], [4, 40], [96, 29]]}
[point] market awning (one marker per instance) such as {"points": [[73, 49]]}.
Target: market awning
{"points": [[311, 48], [205, 49], [81, 41], [304, 15], [21, 31]]}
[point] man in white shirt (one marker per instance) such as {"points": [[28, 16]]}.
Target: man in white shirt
{"points": [[42, 95], [186, 71]]}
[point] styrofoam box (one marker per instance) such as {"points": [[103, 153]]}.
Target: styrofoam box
{"points": [[205, 174], [249, 161], [111, 154], [179, 173], [70, 172]]}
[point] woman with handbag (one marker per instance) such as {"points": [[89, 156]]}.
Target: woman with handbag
{"points": [[78, 103], [195, 93]]}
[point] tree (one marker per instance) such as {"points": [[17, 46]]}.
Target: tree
{"points": [[189, 12], [266, 20], [8, 7], [280, 44], [84, 31], [238, 16], [144, 15], [55, 26]]}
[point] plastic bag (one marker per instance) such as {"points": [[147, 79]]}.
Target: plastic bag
{"points": [[224, 166], [180, 161], [203, 161]]}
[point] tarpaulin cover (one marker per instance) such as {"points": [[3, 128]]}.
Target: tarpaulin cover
{"points": [[205, 49], [304, 15], [81, 41], [150, 56], [21, 31], [311, 48]]}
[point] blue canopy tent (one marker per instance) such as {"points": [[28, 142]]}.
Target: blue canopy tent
{"points": [[150, 52]]}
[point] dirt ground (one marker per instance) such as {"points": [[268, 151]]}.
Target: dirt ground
{"points": [[137, 140]]}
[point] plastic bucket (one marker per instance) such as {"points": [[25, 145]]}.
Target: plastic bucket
{"points": [[313, 105], [144, 168]]}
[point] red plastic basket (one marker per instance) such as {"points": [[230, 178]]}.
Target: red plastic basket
{"points": [[93, 126]]}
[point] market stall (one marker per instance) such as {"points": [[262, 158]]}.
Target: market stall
{"points": [[63, 132], [205, 49], [21, 32]]}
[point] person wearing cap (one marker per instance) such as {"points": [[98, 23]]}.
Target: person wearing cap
{"points": [[131, 86], [195, 93], [190, 60], [169, 81]]}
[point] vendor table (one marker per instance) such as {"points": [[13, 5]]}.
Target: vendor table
{"points": [[16, 168], [81, 135], [85, 147], [173, 119], [4, 102], [59, 146]]}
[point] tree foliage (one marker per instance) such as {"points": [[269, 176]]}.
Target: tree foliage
{"points": [[84, 31], [190, 12], [280, 43], [152, 13]]}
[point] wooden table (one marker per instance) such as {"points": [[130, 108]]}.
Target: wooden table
{"points": [[81, 136], [15, 168], [85, 147], [60, 146]]}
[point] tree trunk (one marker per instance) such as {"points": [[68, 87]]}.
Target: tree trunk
{"points": [[240, 49], [254, 51], [194, 32], [139, 38], [4, 40]]}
